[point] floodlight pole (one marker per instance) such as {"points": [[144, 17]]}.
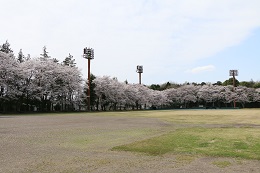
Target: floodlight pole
{"points": [[139, 70], [88, 53], [140, 80], [233, 73], [88, 96], [234, 88]]}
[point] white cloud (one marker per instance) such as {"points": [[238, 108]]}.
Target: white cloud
{"points": [[201, 69], [161, 33]]}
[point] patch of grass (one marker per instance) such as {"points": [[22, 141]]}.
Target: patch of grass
{"points": [[219, 142], [222, 164], [184, 158], [246, 117], [240, 145], [239, 116], [89, 139]]}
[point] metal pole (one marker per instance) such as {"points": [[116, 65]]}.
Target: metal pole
{"points": [[88, 53], [140, 78], [234, 87], [88, 95], [233, 73]]}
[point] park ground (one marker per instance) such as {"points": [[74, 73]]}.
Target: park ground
{"points": [[103, 141]]}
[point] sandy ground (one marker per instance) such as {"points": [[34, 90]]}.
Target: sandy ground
{"points": [[82, 143]]}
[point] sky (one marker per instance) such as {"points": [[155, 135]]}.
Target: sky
{"points": [[175, 40]]}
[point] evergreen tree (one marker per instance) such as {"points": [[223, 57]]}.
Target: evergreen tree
{"points": [[69, 61], [6, 48], [155, 87], [230, 82], [44, 55], [257, 85], [93, 96], [55, 60], [21, 57]]}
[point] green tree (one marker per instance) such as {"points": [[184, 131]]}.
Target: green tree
{"points": [[21, 57], [155, 87], [44, 55], [165, 86], [230, 82], [203, 83], [257, 85], [93, 97], [69, 61], [219, 83], [6, 48], [55, 60], [247, 84]]}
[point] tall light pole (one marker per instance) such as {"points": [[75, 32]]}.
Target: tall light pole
{"points": [[233, 73], [88, 53], [139, 69]]}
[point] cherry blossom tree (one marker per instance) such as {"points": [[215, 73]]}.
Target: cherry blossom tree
{"points": [[171, 96], [9, 78], [102, 89], [46, 83], [244, 95], [228, 95], [256, 97], [210, 94], [158, 98], [131, 93], [186, 94]]}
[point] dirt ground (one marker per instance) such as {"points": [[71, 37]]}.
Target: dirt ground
{"points": [[83, 143]]}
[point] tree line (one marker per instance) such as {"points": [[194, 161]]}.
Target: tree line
{"points": [[110, 94], [38, 84], [43, 84]]}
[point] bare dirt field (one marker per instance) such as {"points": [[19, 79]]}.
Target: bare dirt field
{"points": [[82, 142]]}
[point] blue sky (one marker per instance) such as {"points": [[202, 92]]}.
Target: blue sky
{"points": [[177, 41], [244, 57]]}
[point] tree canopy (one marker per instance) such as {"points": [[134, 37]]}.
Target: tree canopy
{"points": [[43, 84]]}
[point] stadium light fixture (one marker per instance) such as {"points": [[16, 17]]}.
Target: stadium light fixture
{"points": [[233, 73], [139, 69]]}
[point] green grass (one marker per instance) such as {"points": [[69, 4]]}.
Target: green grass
{"points": [[219, 116], [242, 142], [190, 116], [218, 142], [222, 164], [233, 116]]}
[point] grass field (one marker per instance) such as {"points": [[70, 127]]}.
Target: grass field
{"points": [[241, 138], [232, 116], [131, 141], [218, 142]]}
